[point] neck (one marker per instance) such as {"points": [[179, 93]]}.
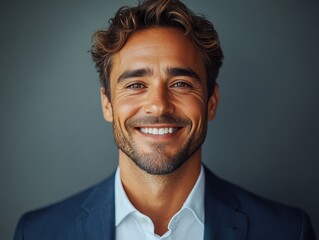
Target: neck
{"points": [[159, 196]]}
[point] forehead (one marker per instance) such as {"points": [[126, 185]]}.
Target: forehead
{"points": [[158, 48]]}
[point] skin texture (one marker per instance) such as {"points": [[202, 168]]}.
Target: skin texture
{"points": [[158, 80]]}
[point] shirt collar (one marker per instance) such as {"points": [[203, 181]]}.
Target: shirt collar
{"points": [[194, 201], [123, 206]]}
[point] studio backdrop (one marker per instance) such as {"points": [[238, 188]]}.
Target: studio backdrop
{"points": [[54, 141]]}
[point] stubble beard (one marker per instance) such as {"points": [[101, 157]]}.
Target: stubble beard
{"points": [[158, 161]]}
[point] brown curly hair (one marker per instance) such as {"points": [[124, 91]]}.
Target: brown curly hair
{"points": [[154, 13]]}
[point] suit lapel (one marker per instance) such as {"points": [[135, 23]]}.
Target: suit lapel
{"points": [[97, 220], [223, 221]]}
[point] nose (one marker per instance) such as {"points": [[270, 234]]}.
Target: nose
{"points": [[158, 102]]}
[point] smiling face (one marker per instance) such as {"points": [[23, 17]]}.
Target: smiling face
{"points": [[159, 106]]}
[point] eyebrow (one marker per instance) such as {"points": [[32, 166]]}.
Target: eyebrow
{"points": [[147, 72], [186, 72], [142, 72]]}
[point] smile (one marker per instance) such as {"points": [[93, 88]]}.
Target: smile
{"points": [[158, 131]]}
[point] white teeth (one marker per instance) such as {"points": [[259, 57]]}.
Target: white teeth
{"points": [[144, 130], [158, 131]]}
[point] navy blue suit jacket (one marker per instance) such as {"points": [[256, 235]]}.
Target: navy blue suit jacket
{"points": [[231, 213]]}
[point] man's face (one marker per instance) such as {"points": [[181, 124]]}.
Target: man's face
{"points": [[159, 106]]}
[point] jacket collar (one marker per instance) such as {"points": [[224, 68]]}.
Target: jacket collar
{"points": [[97, 220], [223, 220]]}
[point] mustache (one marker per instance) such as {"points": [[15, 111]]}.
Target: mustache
{"points": [[150, 120]]}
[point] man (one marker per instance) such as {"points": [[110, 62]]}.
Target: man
{"points": [[158, 64]]}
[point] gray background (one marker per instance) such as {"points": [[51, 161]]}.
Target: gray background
{"points": [[54, 141]]}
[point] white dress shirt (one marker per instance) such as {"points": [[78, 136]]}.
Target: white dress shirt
{"points": [[186, 224]]}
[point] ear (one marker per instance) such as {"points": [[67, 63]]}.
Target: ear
{"points": [[213, 103], [106, 106]]}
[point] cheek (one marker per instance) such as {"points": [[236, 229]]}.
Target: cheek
{"points": [[125, 109], [193, 108], [194, 102]]}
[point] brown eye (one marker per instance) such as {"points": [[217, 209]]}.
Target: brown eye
{"points": [[181, 85], [135, 86]]}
